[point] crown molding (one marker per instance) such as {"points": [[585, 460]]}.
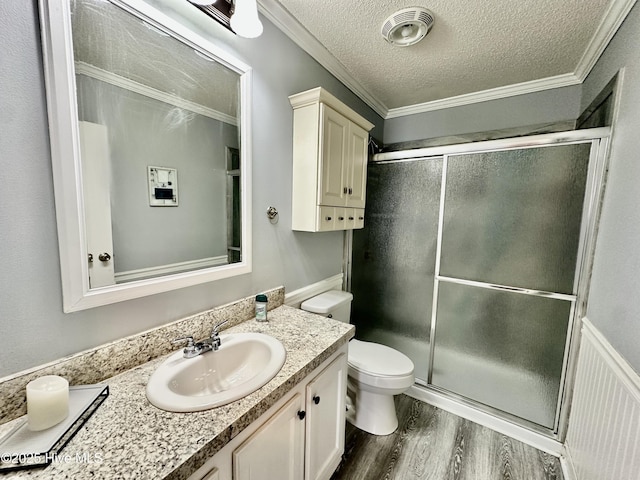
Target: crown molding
{"points": [[111, 78], [287, 23], [486, 95], [611, 21], [613, 18]]}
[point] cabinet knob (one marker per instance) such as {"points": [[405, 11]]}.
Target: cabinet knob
{"points": [[316, 399], [360, 218], [350, 218], [328, 219], [345, 190], [104, 257], [301, 414], [350, 191], [340, 218]]}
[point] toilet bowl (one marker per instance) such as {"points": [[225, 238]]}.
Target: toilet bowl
{"points": [[376, 372]]}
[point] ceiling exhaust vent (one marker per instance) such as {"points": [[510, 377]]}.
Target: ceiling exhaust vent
{"points": [[407, 26]]}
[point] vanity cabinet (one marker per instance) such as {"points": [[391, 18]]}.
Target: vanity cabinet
{"points": [[276, 449], [301, 437], [325, 423], [330, 153]]}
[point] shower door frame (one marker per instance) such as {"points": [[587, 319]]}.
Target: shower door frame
{"points": [[594, 191]]}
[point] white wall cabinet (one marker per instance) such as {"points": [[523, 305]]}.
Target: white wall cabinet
{"points": [[330, 153], [301, 437]]}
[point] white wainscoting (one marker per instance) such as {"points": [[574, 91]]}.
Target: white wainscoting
{"points": [[603, 439]]}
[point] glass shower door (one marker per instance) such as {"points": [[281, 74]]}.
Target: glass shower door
{"points": [[394, 258], [506, 279]]}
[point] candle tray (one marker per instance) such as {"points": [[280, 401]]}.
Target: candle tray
{"points": [[21, 448]]}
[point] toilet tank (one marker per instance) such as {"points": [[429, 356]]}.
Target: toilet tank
{"points": [[334, 303]]}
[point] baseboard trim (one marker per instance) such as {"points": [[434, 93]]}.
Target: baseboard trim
{"points": [[568, 471], [536, 440], [144, 273], [296, 297]]}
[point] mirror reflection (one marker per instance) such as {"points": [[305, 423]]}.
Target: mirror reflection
{"points": [[160, 148]]}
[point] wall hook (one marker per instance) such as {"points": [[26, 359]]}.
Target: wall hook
{"points": [[272, 213]]}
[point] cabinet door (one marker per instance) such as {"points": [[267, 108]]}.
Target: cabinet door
{"points": [[334, 138], [356, 166], [276, 449], [325, 404]]}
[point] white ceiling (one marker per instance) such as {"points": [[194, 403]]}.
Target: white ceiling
{"points": [[475, 51]]}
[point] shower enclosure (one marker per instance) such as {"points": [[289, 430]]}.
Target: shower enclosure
{"points": [[474, 262]]}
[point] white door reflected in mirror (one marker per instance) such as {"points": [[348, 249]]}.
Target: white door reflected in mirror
{"points": [[94, 149]]}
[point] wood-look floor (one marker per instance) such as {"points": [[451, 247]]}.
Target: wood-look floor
{"points": [[436, 445]]}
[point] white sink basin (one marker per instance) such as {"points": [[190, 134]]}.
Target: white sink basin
{"points": [[243, 363]]}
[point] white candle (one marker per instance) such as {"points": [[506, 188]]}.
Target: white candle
{"points": [[47, 401]]}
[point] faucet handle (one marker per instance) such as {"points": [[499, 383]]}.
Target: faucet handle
{"points": [[217, 326], [190, 349], [188, 339]]}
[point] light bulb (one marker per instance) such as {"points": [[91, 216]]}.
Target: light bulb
{"points": [[406, 31], [245, 21]]}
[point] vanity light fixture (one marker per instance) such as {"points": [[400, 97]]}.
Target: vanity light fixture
{"points": [[244, 20], [219, 10]]}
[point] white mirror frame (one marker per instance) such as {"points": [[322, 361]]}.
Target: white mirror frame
{"points": [[57, 45]]}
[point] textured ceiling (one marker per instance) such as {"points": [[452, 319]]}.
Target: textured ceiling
{"points": [[473, 45]]}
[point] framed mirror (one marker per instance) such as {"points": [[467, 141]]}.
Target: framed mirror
{"points": [[151, 152]]}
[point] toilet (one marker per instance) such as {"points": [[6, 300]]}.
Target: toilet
{"points": [[376, 372]]}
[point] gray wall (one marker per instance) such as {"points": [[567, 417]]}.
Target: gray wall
{"points": [[538, 108], [614, 302], [34, 329]]}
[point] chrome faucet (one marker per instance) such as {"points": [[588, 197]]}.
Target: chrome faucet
{"points": [[215, 337], [194, 349]]}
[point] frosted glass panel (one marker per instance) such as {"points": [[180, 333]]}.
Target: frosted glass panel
{"points": [[501, 349], [394, 258], [513, 217]]}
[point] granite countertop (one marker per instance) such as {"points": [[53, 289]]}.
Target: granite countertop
{"points": [[127, 437]]}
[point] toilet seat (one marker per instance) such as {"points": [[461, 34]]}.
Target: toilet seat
{"points": [[378, 360], [379, 369]]}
